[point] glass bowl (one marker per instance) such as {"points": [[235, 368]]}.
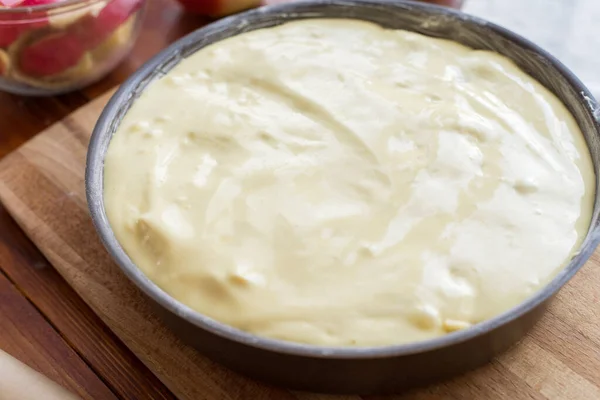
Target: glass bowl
{"points": [[61, 47]]}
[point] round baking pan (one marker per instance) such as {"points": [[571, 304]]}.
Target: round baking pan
{"points": [[346, 369]]}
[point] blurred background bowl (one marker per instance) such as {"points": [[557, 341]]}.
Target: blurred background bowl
{"points": [[60, 47]]}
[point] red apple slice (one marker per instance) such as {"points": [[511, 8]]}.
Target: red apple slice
{"points": [[69, 77], [8, 34], [10, 3], [13, 26], [50, 55], [93, 30]]}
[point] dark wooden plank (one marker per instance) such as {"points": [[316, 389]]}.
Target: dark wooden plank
{"points": [[75, 321], [27, 336], [21, 118]]}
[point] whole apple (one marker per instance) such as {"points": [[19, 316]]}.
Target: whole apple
{"points": [[218, 8]]}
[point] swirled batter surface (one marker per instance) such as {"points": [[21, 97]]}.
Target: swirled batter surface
{"points": [[336, 183]]}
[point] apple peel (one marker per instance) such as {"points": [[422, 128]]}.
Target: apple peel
{"points": [[12, 27], [73, 74], [11, 31], [39, 58]]}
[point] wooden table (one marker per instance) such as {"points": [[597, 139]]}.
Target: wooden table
{"points": [[42, 320]]}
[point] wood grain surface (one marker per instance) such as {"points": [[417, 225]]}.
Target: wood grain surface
{"points": [[83, 332], [25, 328], [42, 186]]}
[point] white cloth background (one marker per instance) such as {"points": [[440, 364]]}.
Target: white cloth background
{"points": [[568, 29]]}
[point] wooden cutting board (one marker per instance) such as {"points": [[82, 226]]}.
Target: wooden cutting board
{"points": [[42, 186]]}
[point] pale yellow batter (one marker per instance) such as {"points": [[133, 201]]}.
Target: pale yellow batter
{"points": [[334, 183]]}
